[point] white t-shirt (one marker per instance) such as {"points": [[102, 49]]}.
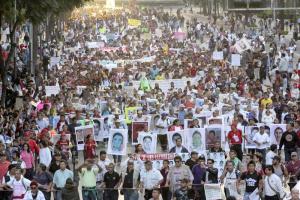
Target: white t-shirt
{"points": [[269, 157], [151, 178], [40, 196], [263, 139], [19, 187]]}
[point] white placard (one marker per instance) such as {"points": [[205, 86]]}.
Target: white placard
{"points": [[217, 55], [148, 141], [212, 191], [236, 60], [81, 133], [52, 90]]}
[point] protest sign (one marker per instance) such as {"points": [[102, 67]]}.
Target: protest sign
{"points": [[97, 129], [52, 90], [129, 114], [81, 133], [179, 36], [173, 136], [217, 55], [214, 134], [276, 131], [148, 141], [94, 45], [250, 132], [54, 61], [117, 142], [134, 22], [219, 161], [212, 191], [236, 60], [138, 126], [195, 139]]}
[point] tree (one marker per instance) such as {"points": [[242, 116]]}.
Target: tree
{"points": [[16, 12]]}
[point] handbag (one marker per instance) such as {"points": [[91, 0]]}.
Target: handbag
{"points": [[276, 192]]}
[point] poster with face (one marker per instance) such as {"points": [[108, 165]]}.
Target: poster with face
{"points": [[104, 127], [250, 132], [154, 120], [136, 128], [202, 120], [117, 142], [196, 139], [81, 133], [148, 142], [220, 161], [276, 131], [188, 123], [213, 134], [215, 120], [97, 130], [173, 136]]}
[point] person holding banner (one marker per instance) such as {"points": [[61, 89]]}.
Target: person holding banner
{"points": [[90, 147]]}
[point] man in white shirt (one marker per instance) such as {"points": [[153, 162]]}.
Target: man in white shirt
{"points": [[161, 127], [150, 179], [34, 193], [271, 154], [103, 163], [261, 140], [19, 185], [41, 121], [272, 185]]}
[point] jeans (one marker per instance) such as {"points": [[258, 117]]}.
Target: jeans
{"points": [[130, 194], [111, 195], [57, 195], [89, 194], [99, 194]]}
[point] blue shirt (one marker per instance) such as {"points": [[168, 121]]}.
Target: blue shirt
{"points": [[61, 176], [199, 174]]}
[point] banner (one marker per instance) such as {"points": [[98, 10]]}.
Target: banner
{"points": [[134, 22], [81, 133], [136, 128], [54, 61], [173, 136], [52, 90], [158, 158], [250, 132], [213, 134]]}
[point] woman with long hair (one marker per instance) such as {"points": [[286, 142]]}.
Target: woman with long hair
{"points": [[28, 158]]}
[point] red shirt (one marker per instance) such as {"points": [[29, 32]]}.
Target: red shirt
{"points": [[33, 146], [235, 137], [3, 169]]}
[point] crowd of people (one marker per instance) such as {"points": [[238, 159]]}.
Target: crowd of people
{"points": [[177, 74]]}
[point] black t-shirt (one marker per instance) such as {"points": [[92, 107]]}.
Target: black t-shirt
{"points": [[251, 180], [111, 179], [190, 163], [128, 179]]}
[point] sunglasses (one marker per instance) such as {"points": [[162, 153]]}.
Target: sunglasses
{"points": [[294, 155], [33, 188]]}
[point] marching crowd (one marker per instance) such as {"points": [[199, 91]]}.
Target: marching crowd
{"points": [[119, 69]]}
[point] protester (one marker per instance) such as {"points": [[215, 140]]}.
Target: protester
{"points": [[34, 192], [111, 183], [70, 191], [272, 185], [130, 181], [150, 179]]}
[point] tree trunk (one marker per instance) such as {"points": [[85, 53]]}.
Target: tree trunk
{"points": [[5, 64], [34, 47]]}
